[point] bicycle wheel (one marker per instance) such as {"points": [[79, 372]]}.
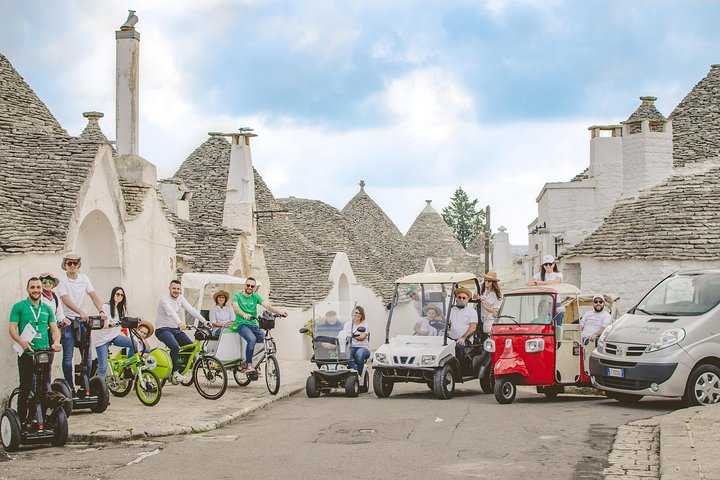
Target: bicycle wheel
{"points": [[210, 377], [147, 387], [119, 385], [241, 378], [272, 374]]}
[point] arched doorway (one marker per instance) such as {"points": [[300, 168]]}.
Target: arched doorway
{"points": [[98, 246], [344, 297]]}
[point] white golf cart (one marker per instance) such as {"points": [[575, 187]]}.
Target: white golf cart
{"points": [[417, 347]]}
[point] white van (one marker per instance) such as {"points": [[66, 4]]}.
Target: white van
{"points": [[668, 345]]}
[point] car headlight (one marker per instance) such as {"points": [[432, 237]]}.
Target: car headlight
{"points": [[667, 339], [489, 345], [428, 359], [603, 336], [534, 345], [381, 358]]}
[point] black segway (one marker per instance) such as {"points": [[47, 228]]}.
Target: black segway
{"points": [[92, 392], [46, 422]]}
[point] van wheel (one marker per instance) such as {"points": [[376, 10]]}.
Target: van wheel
{"points": [[703, 386], [624, 398], [505, 390]]}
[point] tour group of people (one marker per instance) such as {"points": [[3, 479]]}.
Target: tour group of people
{"points": [[45, 319]]}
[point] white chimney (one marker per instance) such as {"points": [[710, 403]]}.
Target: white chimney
{"points": [[127, 86], [240, 192]]}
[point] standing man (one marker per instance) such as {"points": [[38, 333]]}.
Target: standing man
{"points": [[31, 313], [463, 319], [169, 329], [74, 287], [245, 306]]}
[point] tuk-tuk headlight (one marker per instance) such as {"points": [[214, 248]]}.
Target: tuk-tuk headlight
{"points": [[381, 358], [534, 345], [667, 339], [428, 359], [489, 345]]}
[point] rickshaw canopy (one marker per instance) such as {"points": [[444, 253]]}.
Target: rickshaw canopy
{"points": [[437, 277]]}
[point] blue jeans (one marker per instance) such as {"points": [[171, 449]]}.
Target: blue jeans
{"points": [[252, 334], [174, 338], [358, 357], [67, 340], [102, 352]]}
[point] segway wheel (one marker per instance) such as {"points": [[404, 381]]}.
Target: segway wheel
{"points": [[312, 387], [60, 429], [352, 386], [241, 378], [61, 387], [10, 430], [147, 388], [99, 388], [12, 401]]}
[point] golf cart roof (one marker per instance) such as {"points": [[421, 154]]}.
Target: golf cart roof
{"points": [[198, 281], [437, 277], [562, 289]]}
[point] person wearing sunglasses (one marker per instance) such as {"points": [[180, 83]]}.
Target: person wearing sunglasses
{"points": [[548, 273], [115, 309], [244, 304], [73, 290], [595, 321], [463, 319]]}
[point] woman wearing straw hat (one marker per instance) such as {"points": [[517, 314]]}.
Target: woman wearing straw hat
{"points": [[490, 300], [221, 314]]}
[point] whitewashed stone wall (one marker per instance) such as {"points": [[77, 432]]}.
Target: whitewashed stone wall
{"points": [[647, 158], [606, 167]]}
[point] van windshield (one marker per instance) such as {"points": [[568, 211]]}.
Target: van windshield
{"points": [[519, 309], [683, 294]]}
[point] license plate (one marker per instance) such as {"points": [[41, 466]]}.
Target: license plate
{"points": [[615, 372]]}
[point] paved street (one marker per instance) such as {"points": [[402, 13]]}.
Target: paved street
{"points": [[409, 435]]}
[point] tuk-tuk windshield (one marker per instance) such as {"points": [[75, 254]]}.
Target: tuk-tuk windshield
{"points": [[690, 294], [526, 308]]}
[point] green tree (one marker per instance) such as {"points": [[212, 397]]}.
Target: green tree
{"points": [[463, 217]]}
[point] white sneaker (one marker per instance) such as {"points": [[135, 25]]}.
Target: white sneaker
{"points": [[177, 378]]}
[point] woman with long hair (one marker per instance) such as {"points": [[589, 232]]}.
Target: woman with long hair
{"points": [[490, 300], [548, 273], [360, 346], [110, 334]]}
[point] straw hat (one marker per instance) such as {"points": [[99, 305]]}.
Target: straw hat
{"points": [[464, 290], [432, 306], [50, 276], [148, 325], [492, 276], [221, 293], [70, 256]]}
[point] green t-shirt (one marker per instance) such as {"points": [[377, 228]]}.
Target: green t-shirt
{"points": [[247, 304], [40, 318]]}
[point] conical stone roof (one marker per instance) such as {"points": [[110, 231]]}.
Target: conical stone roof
{"points": [[696, 121]]}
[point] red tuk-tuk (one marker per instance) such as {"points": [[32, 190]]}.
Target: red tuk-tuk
{"points": [[535, 340]]}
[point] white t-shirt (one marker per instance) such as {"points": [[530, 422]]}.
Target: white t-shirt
{"points": [[460, 320], [57, 309], [101, 337], [355, 342], [76, 289], [427, 329], [549, 276], [593, 321], [222, 315], [168, 312]]}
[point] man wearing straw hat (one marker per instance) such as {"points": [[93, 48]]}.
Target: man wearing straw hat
{"points": [[463, 319]]}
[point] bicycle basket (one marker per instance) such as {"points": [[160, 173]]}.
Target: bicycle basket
{"points": [[266, 321]]}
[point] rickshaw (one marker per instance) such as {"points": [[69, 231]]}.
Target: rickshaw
{"points": [[535, 340], [417, 350]]}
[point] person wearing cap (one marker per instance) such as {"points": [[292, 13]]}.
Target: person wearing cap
{"points": [[110, 334], [428, 325], [594, 321], [73, 289], [490, 300], [221, 314], [548, 273], [327, 331], [463, 319]]}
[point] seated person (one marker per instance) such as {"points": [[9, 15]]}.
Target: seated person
{"points": [[595, 321], [432, 323], [463, 320], [221, 314], [543, 312], [327, 330], [144, 330]]}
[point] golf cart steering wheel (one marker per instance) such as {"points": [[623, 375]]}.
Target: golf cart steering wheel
{"points": [[438, 325]]}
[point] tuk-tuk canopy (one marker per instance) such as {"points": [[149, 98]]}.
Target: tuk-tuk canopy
{"points": [[437, 277], [197, 286]]}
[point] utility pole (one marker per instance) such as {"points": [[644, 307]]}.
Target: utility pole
{"points": [[487, 238]]}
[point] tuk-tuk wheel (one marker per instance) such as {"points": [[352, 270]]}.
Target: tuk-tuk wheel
{"points": [[487, 382], [505, 390]]}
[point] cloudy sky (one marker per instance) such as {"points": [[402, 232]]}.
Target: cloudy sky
{"points": [[416, 97]]}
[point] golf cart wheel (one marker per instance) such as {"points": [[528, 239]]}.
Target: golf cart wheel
{"points": [[430, 385], [147, 388], [12, 401], [703, 387], [241, 378], [505, 390], [487, 382], [366, 383], [312, 387], [10, 430], [99, 388], [272, 374], [60, 429], [352, 386], [444, 383], [62, 387], [381, 386]]}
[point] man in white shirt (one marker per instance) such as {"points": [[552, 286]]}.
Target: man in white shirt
{"points": [[463, 319], [73, 290], [169, 328], [594, 322]]}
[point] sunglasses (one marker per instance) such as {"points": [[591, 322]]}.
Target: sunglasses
{"points": [[249, 286], [120, 294], [47, 281], [599, 302], [547, 264], [72, 263]]}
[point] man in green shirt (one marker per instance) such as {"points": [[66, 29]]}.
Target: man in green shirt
{"points": [[245, 306], [36, 317]]}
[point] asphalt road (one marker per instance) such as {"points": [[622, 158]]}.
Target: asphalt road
{"points": [[410, 435]]}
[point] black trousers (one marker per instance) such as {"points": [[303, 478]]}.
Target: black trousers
{"points": [[26, 370]]}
